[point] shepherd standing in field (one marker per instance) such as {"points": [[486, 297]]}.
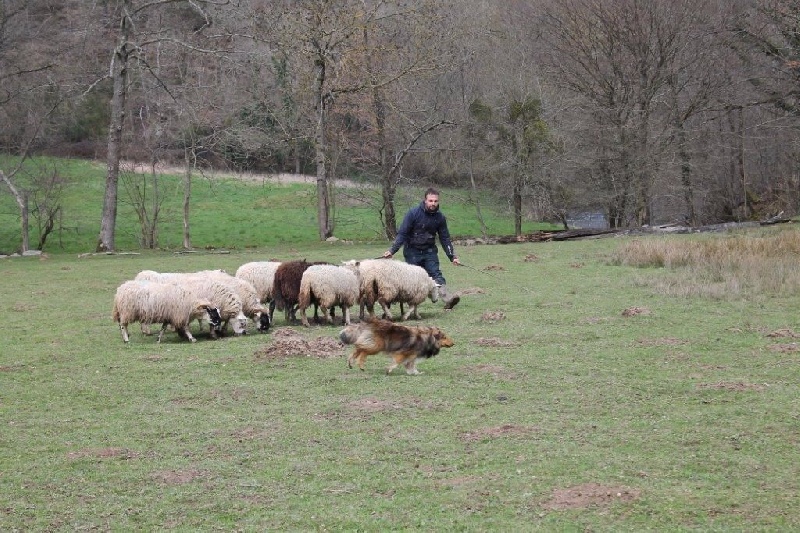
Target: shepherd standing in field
{"points": [[417, 236]]}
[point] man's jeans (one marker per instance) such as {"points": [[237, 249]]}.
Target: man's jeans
{"points": [[428, 259]]}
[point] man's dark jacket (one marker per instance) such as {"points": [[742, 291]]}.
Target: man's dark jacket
{"points": [[419, 229]]}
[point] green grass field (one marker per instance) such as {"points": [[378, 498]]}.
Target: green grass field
{"points": [[226, 212], [580, 395]]}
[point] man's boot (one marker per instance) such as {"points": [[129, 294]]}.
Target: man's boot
{"points": [[449, 301]]}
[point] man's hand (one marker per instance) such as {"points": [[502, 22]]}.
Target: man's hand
{"points": [[456, 262], [387, 254]]}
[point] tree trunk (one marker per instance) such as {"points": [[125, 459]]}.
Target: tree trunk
{"points": [[188, 160], [321, 149], [119, 72], [22, 203], [686, 176], [517, 205], [742, 172]]}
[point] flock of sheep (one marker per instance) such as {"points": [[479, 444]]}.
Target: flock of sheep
{"points": [[258, 288]]}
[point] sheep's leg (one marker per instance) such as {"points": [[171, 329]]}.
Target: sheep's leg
{"points": [[145, 329], [346, 313], [327, 314], [303, 317], [124, 330], [411, 310], [185, 331], [387, 314], [161, 333]]}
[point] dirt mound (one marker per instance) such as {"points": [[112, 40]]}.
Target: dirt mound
{"points": [[286, 342], [590, 495]]}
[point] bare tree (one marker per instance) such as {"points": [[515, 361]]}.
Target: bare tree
{"points": [[30, 95], [138, 31], [621, 58]]}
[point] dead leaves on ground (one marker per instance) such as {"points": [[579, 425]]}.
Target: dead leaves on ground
{"points": [[286, 342]]}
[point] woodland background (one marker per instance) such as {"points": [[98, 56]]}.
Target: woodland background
{"points": [[647, 111]]}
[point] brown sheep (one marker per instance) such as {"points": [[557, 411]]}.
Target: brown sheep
{"points": [[286, 288]]}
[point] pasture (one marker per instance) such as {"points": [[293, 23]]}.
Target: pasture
{"points": [[579, 395]]}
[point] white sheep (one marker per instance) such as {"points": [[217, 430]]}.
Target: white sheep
{"points": [[251, 305], [262, 275], [152, 275], [328, 286], [221, 296], [387, 281], [150, 302], [207, 284]]}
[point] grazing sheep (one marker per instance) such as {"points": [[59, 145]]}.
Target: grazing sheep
{"points": [[151, 302], [221, 296], [262, 275], [286, 288], [328, 286], [152, 275], [251, 306], [222, 292], [387, 281]]}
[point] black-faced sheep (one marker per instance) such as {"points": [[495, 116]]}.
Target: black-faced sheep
{"points": [[150, 302], [251, 306], [223, 293], [387, 281], [328, 286], [221, 296]]}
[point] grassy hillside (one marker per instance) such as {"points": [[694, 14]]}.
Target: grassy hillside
{"points": [[227, 212], [594, 386]]}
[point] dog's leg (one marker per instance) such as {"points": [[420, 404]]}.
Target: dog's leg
{"points": [[397, 361], [362, 358], [411, 368], [352, 358]]}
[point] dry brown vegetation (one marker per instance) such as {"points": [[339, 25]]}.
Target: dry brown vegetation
{"points": [[736, 265]]}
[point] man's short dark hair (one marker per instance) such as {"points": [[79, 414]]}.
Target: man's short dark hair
{"points": [[431, 190]]}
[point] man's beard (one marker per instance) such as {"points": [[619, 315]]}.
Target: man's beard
{"points": [[432, 209]]}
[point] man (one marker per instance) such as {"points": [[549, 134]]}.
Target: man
{"points": [[417, 236]]}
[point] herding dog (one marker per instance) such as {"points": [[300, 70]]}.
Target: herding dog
{"points": [[404, 344]]}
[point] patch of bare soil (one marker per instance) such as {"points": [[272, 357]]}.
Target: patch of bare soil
{"points": [[733, 386], [494, 342], [493, 316], [497, 268], [365, 408], [590, 495], [784, 348], [506, 430], [785, 333], [373, 405], [286, 342], [635, 311], [250, 433], [471, 290], [577, 265], [531, 258], [102, 453], [178, 477], [497, 371], [665, 341]]}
